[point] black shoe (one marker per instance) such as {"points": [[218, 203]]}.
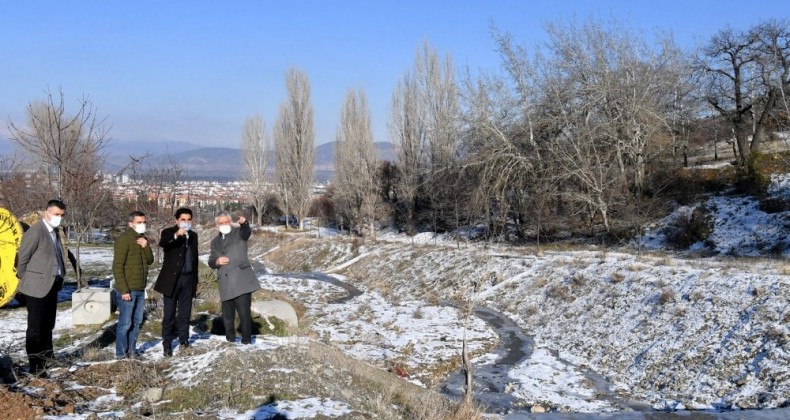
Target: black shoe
{"points": [[168, 352], [184, 344]]}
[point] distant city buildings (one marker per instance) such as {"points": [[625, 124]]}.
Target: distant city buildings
{"points": [[203, 194]]}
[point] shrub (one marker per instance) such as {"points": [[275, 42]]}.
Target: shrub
{"points": [[698, 227], [751, 179], [774, 205], [690, 183], [666, 296]]}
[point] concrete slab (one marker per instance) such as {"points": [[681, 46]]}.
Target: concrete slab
{"points": [[91, 306], [278, 309]]}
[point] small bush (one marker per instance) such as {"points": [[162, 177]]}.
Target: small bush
{"points": [[666, 296], [758, 291], [774, 205], [560, 292], [690, 183], [617, 277], [697, 228], [578, 280], [751, 178]]}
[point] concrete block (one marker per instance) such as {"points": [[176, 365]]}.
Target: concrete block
{"points": [[278, 309], [91, 306]]}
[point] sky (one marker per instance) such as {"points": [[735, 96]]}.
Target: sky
{"points": [[192, 71]]}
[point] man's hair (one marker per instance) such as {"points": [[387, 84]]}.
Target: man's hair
{"points": [[222, 214], [183, 210], [136, 213], [56, 203]]}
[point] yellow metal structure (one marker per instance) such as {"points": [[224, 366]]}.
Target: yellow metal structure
{"points": [[10, 239]]}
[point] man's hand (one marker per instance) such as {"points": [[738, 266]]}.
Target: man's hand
{"points": [[126, 296], [181, 232], [142, 242], [223, 260], [241, 220]]}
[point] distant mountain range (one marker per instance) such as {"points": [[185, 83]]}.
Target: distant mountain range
{"points": [[210, 163], [217, 163]]}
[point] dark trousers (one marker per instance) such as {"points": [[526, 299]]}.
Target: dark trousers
{"points": [[177, 312], [241, 305], [40, 323]]}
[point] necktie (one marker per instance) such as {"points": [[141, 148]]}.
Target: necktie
{"points": [[58, 253], [186, 268]]}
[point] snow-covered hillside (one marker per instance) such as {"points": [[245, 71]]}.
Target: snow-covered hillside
{"points": [[740, 227], [675, 332]]}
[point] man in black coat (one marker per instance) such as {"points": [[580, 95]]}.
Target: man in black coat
{"points": [[178, 280]]}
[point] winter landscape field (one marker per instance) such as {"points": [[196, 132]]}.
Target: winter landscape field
{"points": [[583, 329]]}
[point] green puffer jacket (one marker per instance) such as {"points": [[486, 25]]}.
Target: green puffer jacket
{"points": [[130, 262]]}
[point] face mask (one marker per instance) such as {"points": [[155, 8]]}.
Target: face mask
{"points": [[185, 225], [140, 228], [224, 229], [54, 221]]}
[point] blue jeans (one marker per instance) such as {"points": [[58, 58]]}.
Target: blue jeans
{"points": [[130, 317]]}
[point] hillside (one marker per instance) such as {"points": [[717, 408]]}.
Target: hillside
{"points": [[674, 331], [564, 329], [218, 163]]}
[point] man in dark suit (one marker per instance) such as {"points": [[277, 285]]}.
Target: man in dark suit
{"points": [[178, 280], [236, 279], [41, 266]]}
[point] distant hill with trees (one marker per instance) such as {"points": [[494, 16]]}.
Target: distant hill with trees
{"points": [[216, 163]]}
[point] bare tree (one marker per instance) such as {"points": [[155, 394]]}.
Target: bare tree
{"points": [[407, 131], [626, 88], [70, 150], [294, 142], [745, 75], [58, 138], [159, 189], [498, 149], [608, 105], [21, 191], [772, 48], [440, 112], [356, 163], [255, 150]]}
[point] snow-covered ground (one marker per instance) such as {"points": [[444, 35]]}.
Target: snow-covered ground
{"points": [[675, 332], [184, 370], [741, 227]]}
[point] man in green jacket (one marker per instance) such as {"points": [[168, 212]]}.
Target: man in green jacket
{"points": [[131, 258]]}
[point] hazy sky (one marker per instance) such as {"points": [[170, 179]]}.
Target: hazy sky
{"points": [[193, 70]]}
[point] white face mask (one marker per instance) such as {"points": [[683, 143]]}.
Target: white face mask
{"points": [[54, 221], [224, 229], [139, 228], [185, 225]]}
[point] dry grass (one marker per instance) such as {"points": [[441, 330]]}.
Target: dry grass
{"points": [[617, 277], [130, 378], [666, 296], [560, 292]]}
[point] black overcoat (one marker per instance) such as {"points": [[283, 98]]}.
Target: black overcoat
{"points": [[174, 260]]}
